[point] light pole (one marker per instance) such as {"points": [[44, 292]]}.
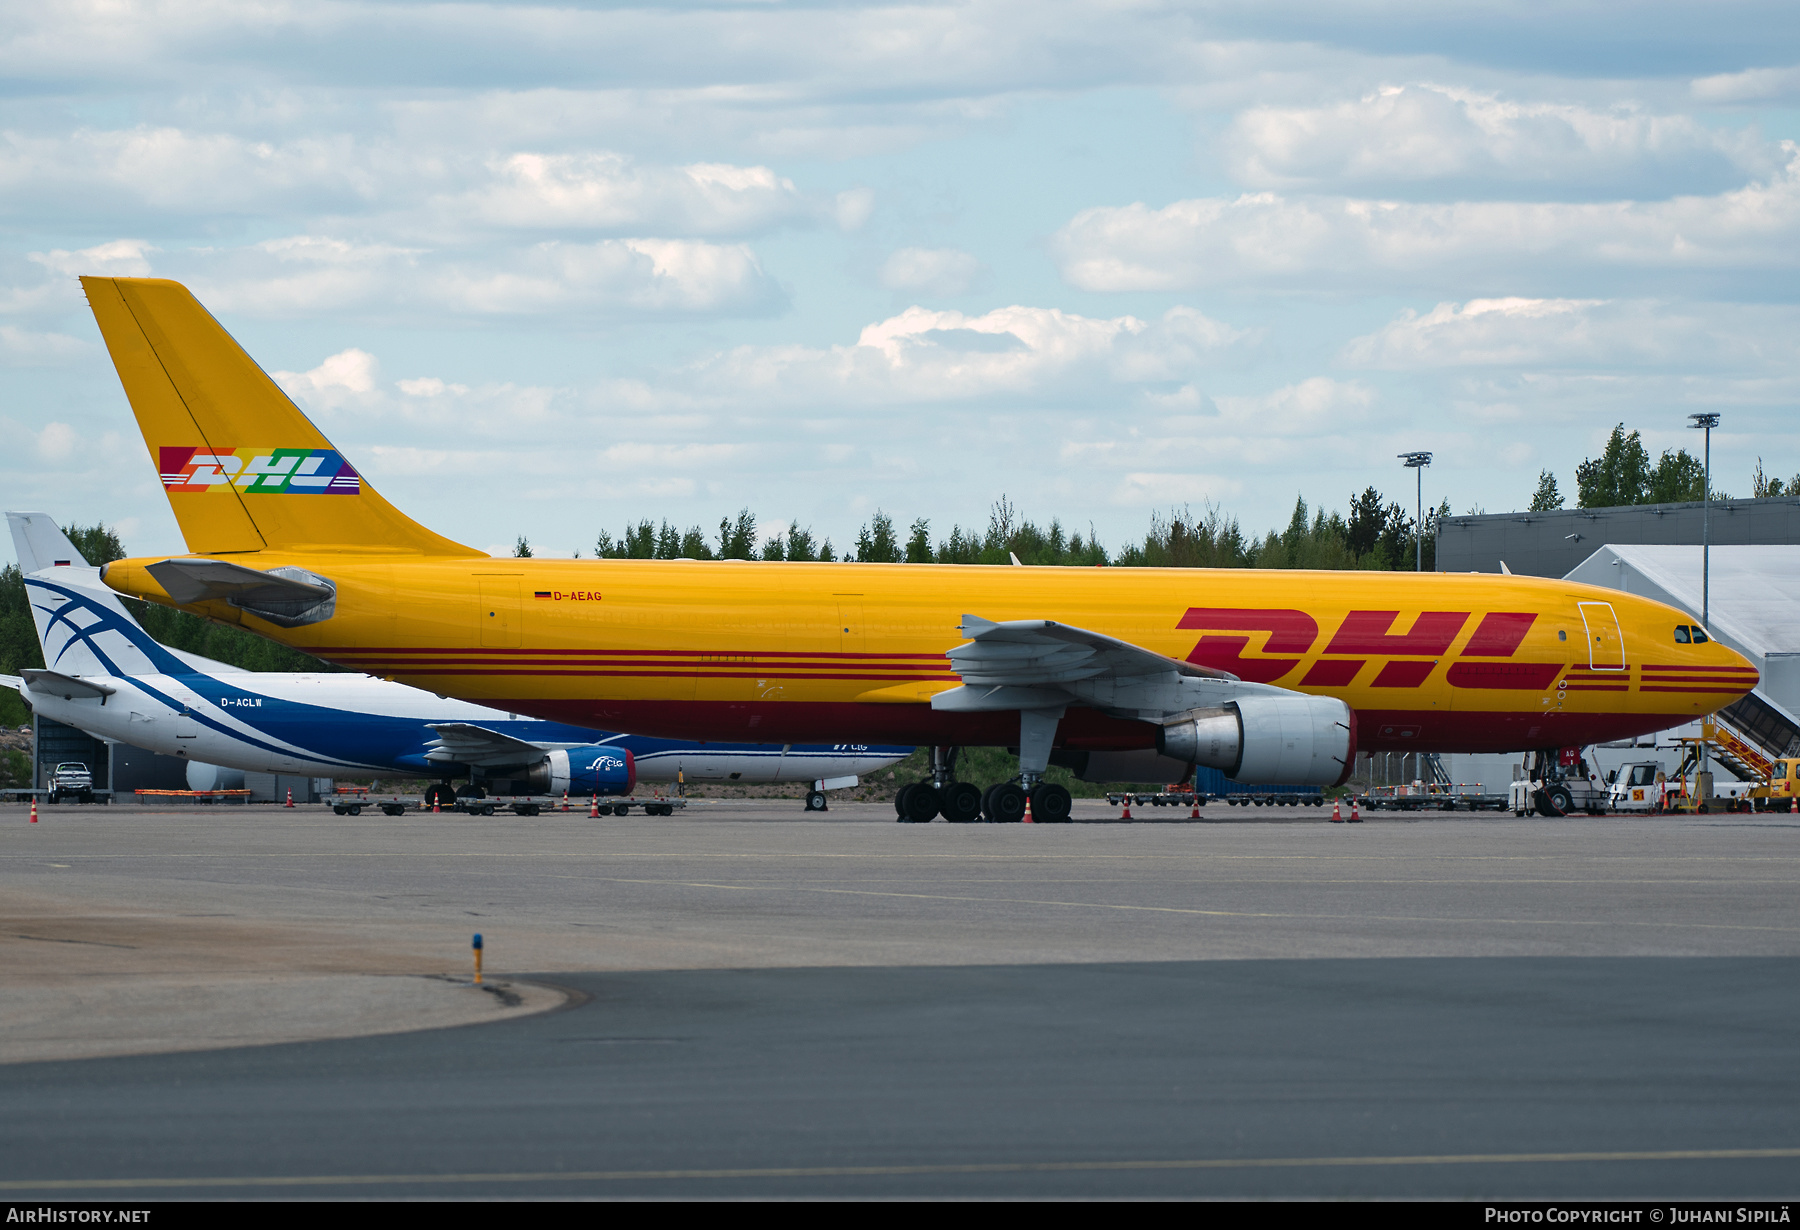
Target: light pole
{"points": [[1705, 422], [1417, 462]]}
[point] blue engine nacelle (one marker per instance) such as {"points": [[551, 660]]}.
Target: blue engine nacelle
{"points": [[591, 770]]}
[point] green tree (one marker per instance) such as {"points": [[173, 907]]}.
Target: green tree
{"points": [[1547, 496], [876, 543], [799, 546], [1771, 488], [1679, 478], [737, 539], [918, 547], [1620, 475], [523, 549]]}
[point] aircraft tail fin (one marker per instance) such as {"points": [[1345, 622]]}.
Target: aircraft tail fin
{"points": [[82, 627], [41, 543], [243, 467]]}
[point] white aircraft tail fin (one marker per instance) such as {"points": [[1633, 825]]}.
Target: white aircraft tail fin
{"points": [[40, 542], [82, 626]]}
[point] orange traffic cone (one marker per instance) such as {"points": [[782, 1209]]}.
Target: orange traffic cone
{"points": [[34, 809], [1126, 804], [1026, 818], [1795, 805], [1195, 814], [1355, 815], [1337, 812], [565, 800], [594, 809], [290, 801]]}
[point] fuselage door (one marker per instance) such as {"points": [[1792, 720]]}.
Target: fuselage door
{"points": [[1606, 644]]}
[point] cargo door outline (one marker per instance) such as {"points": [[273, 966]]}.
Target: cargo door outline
{"points": [[1606, 644]]}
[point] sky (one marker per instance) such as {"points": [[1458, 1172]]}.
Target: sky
{"points": [[543, 270]]}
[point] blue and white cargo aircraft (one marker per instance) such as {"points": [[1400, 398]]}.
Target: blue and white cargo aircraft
{"points": [[105, 675]]}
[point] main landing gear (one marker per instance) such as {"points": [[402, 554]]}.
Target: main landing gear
{"points": [[1004, 803]]}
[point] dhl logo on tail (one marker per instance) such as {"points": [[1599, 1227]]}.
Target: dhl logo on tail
{"points": [[262, 471]]}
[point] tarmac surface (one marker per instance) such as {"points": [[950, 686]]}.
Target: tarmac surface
{"points": [[755, 1001]]}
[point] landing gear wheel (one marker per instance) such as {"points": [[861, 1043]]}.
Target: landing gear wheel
{"points": [[961, 803], [921, 804], [1554, 801], [1051, 805], [815, 800], [1004, 803]]}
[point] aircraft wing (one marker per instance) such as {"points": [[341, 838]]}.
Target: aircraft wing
{"points": [[55, 683], [463, 743], [12, 681], [1042, 664]]}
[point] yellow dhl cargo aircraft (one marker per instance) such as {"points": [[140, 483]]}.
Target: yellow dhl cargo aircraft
{"points": [[1128, 673]]}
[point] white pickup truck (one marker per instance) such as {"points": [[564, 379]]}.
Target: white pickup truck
{"points": [[72, 779]]}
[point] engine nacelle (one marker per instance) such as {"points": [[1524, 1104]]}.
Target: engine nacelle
{"points": [[1282, 740], [584, 771]]}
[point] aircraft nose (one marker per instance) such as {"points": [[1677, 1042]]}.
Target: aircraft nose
{"points": [[1744, 674]]}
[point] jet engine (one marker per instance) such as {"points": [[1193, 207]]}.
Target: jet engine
{"points": [[583, 771], [1291, 740]]}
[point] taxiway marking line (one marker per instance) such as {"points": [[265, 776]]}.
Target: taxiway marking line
{"points": [[964, 1168]]}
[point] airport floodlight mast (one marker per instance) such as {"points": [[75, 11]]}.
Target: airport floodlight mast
{"points": [[1706, 422], [1416, 462]]}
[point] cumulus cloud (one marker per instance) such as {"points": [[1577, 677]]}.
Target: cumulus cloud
{"points": [[610, 277], [351, 371], [57, 442], [1429, 134], [27, 348], [1561, 333], [608, 191], [1749, 86], [926, 355], [1270, 238], [932, 271]]}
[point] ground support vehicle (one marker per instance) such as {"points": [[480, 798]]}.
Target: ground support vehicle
{"points": [[1561, 784], [1766, 783], [353, 806], [1285, 798], [1434, 796], [1172, 796], [72, 779]]}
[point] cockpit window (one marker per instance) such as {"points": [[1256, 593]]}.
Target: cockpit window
{"points": [[1699, 635], [1681, 634]]}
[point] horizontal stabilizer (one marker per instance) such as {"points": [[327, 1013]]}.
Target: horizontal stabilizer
{"points": [[12, 681], [477, 746], [69, 687], [285, 596]]}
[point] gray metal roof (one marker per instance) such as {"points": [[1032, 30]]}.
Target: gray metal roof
{"points": [[1549, 544]]}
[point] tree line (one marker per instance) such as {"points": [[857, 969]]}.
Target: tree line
{"points": [[1373, 533], [1623, 474]]}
